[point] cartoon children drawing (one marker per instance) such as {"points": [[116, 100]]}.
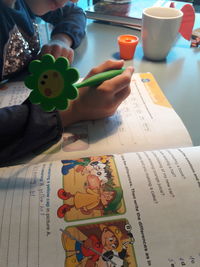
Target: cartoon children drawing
{"points": [[85, 165], [99, 245], [96, 198], [96, 189], [113, 245], [87, 251], [70, 164]]}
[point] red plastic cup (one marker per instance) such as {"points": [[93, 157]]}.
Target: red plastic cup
{"points": [[127, 45]]}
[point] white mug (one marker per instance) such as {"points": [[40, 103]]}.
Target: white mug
{"points": [[160, 26]]}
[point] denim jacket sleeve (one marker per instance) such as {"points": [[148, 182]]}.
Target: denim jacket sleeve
{"points": [[70, 20], [25, 130]]}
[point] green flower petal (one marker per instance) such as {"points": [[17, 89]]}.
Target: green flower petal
{"points": [[72, 75], [61, 64], [72, 92], [30, 82], [61, 104], [34, 66], [35, 97], [47, 106], [47, 61]]}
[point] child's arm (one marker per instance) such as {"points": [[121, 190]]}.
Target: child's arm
{"points": [[26, 129], [69, 29]]}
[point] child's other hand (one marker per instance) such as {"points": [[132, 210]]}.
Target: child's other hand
{"points": [[60, 45], [102, 101]]}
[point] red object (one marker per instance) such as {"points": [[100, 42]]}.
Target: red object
{"points": [[96, 246], [172, 4], [127, 45], [63, 209], [63, 194], [187, 23]]}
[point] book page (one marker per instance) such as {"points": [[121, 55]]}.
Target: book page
{"points": [[137, 210], [162, 196], [13, 94], [144, 121]]}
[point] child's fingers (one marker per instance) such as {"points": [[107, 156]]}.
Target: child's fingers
{"points": [[122, 95], [119, 82], [122, 80], [56, 51], [69, 54], [45, 50]]}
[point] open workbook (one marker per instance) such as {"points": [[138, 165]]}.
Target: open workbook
{"points": [[135, 209], [98, 205]]}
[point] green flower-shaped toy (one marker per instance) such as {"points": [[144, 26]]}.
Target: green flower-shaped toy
{"points": [[51, 82]]}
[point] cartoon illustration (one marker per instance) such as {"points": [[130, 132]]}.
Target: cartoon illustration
{"points": [[70, 164], [99, 245], [91, 188], [97, 198]]}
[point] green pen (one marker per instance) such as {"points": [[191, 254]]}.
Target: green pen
{"points": [[99, 78]]}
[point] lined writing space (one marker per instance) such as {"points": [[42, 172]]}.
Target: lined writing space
{"points": [[19, 221], [23, 237]]}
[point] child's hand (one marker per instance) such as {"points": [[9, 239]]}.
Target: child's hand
{"points": [[102, 101], [60, 45]]}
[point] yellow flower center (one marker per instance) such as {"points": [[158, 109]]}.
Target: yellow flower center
{"points": [[50, 83]]}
